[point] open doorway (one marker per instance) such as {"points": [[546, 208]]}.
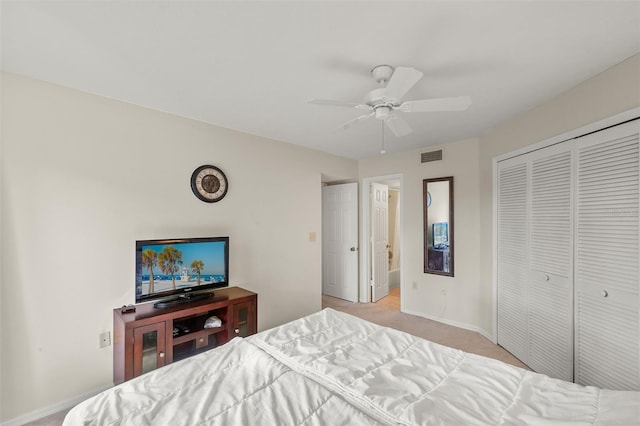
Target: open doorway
{"points": [[395, 251], [382, 239]]}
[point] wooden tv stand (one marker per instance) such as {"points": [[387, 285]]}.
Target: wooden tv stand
{"points": [[145, 339]]}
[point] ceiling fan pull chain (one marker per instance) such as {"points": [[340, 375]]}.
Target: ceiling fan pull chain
{"points": [[382, 151]]}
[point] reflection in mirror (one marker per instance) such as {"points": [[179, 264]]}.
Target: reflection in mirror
{"points": [[438, 225]]}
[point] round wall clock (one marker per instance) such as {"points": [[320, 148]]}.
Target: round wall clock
{"points": [[209, 184]]}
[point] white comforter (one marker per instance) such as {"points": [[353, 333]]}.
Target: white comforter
{"points": [[234, 384], [331, 368], [402, 379]]}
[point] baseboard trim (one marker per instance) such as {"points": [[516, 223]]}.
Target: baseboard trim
{"points": [[51, 409], [478, 330]]}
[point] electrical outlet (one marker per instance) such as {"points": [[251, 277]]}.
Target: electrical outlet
{"points": [[443, 291], [415, 285], [105, 339]]}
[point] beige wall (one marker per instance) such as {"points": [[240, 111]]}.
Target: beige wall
{"points": [[83, 177], [609, 93], [460, 305]]}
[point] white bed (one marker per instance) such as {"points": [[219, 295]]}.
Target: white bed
{"points": [[331, 368]]}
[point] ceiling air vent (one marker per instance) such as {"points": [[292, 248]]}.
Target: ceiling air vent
{"points": [[427, 157]]}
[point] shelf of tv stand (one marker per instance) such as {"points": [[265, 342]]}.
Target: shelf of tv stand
{"points": [[195, 335], [193, 343], [236, 307]]}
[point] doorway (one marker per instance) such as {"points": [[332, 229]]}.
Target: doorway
{"points": [[395, 251], [370, 259]]}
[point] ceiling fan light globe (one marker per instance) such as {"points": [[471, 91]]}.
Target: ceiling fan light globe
{"points": [[383, 112]]}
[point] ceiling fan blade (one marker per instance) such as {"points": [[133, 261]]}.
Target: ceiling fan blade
{"points": [[402, 79], [398, 126], [459, 103], [356, 120], [337, 103]]}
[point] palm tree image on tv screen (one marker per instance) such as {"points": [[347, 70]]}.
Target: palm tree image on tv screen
{"points": [[167, 267]]}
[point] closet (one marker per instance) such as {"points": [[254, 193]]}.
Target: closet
{"points": [[567, 258]]}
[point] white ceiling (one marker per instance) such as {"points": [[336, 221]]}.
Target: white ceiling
{"points": [[252, 66]]}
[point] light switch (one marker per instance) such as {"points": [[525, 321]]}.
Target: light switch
{"points": [[105, 339]]}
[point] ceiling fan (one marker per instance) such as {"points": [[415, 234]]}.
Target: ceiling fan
{"points": [[384, 103]]}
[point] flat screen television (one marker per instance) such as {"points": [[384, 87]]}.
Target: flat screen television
{"points": [[440, 232], [174, 270]]}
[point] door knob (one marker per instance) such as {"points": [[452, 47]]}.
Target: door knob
{"points": [[353, 249]]}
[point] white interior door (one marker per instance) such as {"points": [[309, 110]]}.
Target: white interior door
{"points": [[550, 284], [513, 256], [607, 289], [535, 302], [379, 241], [340, 241]]}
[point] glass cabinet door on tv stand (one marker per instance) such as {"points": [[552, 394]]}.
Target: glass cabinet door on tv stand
{"points": [[148, 348], [244, 319]]}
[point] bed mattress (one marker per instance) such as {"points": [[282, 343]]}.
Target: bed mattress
{"points": [[407, 380], [331, 368], [234, 384]]}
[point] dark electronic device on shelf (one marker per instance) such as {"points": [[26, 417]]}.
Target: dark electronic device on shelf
{"points": [[126, 309], [180, 329]]}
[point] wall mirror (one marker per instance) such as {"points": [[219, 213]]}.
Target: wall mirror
{"points": [[437, 202]]}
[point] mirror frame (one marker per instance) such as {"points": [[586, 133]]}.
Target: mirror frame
{"points": [[425, 194]]}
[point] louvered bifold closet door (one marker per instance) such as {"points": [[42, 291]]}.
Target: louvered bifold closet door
{"points": [[550, 284], [512, 206], [606, 273]]}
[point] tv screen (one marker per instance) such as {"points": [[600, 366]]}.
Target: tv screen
{"points": [[440, 233], [177, 267]]}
